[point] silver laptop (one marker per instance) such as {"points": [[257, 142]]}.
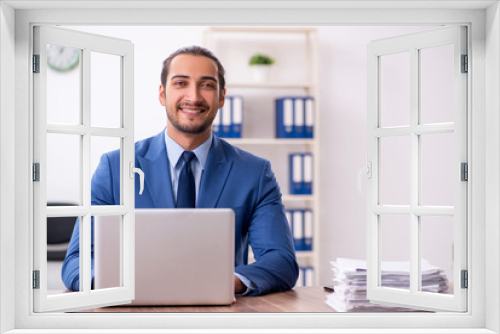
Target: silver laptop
{"points": [[182, 256]]}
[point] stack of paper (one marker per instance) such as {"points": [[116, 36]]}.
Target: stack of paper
{"points": [[349, 283]]}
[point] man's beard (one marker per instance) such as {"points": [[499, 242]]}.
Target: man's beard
{"points": [[189, 128]]}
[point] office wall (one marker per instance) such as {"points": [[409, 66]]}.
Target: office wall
{"points": [[342, 89]]}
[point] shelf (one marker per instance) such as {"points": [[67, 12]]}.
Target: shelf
{"points": [[297, 198], [304, 254], [268, 85], [261, 141], [270, 141]]}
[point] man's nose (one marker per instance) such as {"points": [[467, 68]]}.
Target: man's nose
{"points": [[193, 93]]}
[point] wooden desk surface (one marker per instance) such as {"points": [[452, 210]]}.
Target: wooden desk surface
{"points": [[299, 299]]}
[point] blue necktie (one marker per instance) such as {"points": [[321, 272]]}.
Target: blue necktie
{"points": [[186, 191]]}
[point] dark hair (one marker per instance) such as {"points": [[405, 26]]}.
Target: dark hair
{"points": [[195, 51]]}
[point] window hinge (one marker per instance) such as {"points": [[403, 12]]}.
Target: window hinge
{"points": [[36, 172], [36, 63], [36, 279], [465, 64], [465, 279], [464, 172]]}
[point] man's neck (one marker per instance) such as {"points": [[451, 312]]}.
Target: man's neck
{"points": [[187, 141]]}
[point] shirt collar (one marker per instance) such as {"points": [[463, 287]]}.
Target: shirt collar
{"points": [[174, 150]]}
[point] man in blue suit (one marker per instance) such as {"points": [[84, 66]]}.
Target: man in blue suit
{"points": [[221, 176]]}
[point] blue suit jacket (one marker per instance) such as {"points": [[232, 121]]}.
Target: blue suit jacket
{"points": [[232, 179]]}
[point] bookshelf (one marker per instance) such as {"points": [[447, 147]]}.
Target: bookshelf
{"points": [[234, 46]]}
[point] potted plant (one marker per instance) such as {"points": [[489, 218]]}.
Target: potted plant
{"points": [[260, 65]]}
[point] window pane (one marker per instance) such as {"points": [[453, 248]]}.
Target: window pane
{"points": [[437, 169], [395, 89], [395, 247], [105, 90], [395, 170], [99, 146], [59, 231], [63, 168], [63, 85], [107, 247], [436, 84], [436, 237]]}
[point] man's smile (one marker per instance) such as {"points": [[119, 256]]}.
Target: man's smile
{"points": [[192, 109]]}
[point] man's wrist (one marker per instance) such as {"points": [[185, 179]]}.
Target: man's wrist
{"points": [[239, 287], [247, 284]]}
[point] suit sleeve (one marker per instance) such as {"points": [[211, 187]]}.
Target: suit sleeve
{"points": [[276, 267], [102, 194]]}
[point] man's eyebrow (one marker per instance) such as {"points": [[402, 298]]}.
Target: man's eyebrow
{"points": [[214, 79], [206, 77], [178, 76]]}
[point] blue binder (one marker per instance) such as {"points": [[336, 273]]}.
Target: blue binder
{"points": [[308, 229], [236, 116], [216, 128], [226, 118], [296, 174], [284, 117], [298, 117], [308, 276], [307, 173], [298, 229], [309, 117]]}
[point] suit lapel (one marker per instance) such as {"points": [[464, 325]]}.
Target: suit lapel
{"points": [[156, 170], [214, 177]]}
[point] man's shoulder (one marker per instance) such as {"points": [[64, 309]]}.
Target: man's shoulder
{"points": [[142, 146]]}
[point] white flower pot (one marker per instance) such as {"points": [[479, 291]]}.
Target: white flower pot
{"points": [[260, 73]]}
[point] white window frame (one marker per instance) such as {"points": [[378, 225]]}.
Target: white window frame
{"points": [[414, 211], [484, 145], [87, 43]]}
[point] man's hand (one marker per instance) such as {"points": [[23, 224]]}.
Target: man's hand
{"points": [[239, 287]]}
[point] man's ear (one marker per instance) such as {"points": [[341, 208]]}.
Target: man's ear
{"points": [[161, 95], [222, 98]]}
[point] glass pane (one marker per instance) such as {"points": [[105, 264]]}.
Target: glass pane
{"points": [[436, 84], [63, 85], [436, 175], [59, 232], [395, 89], [105, 90], [99, 146], [395, 251], [63, 168], [436, 236], [395, 170], [107, 246]]}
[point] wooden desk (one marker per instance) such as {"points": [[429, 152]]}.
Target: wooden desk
{"points": [[299, 299]]}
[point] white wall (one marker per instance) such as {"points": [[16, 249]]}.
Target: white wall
{"points": [[342, 77]]}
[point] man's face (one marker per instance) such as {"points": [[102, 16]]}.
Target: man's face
{"points": [[191, 94]]}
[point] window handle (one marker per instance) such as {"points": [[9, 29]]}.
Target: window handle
{"points": [[367, 170], [141, 176]]}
